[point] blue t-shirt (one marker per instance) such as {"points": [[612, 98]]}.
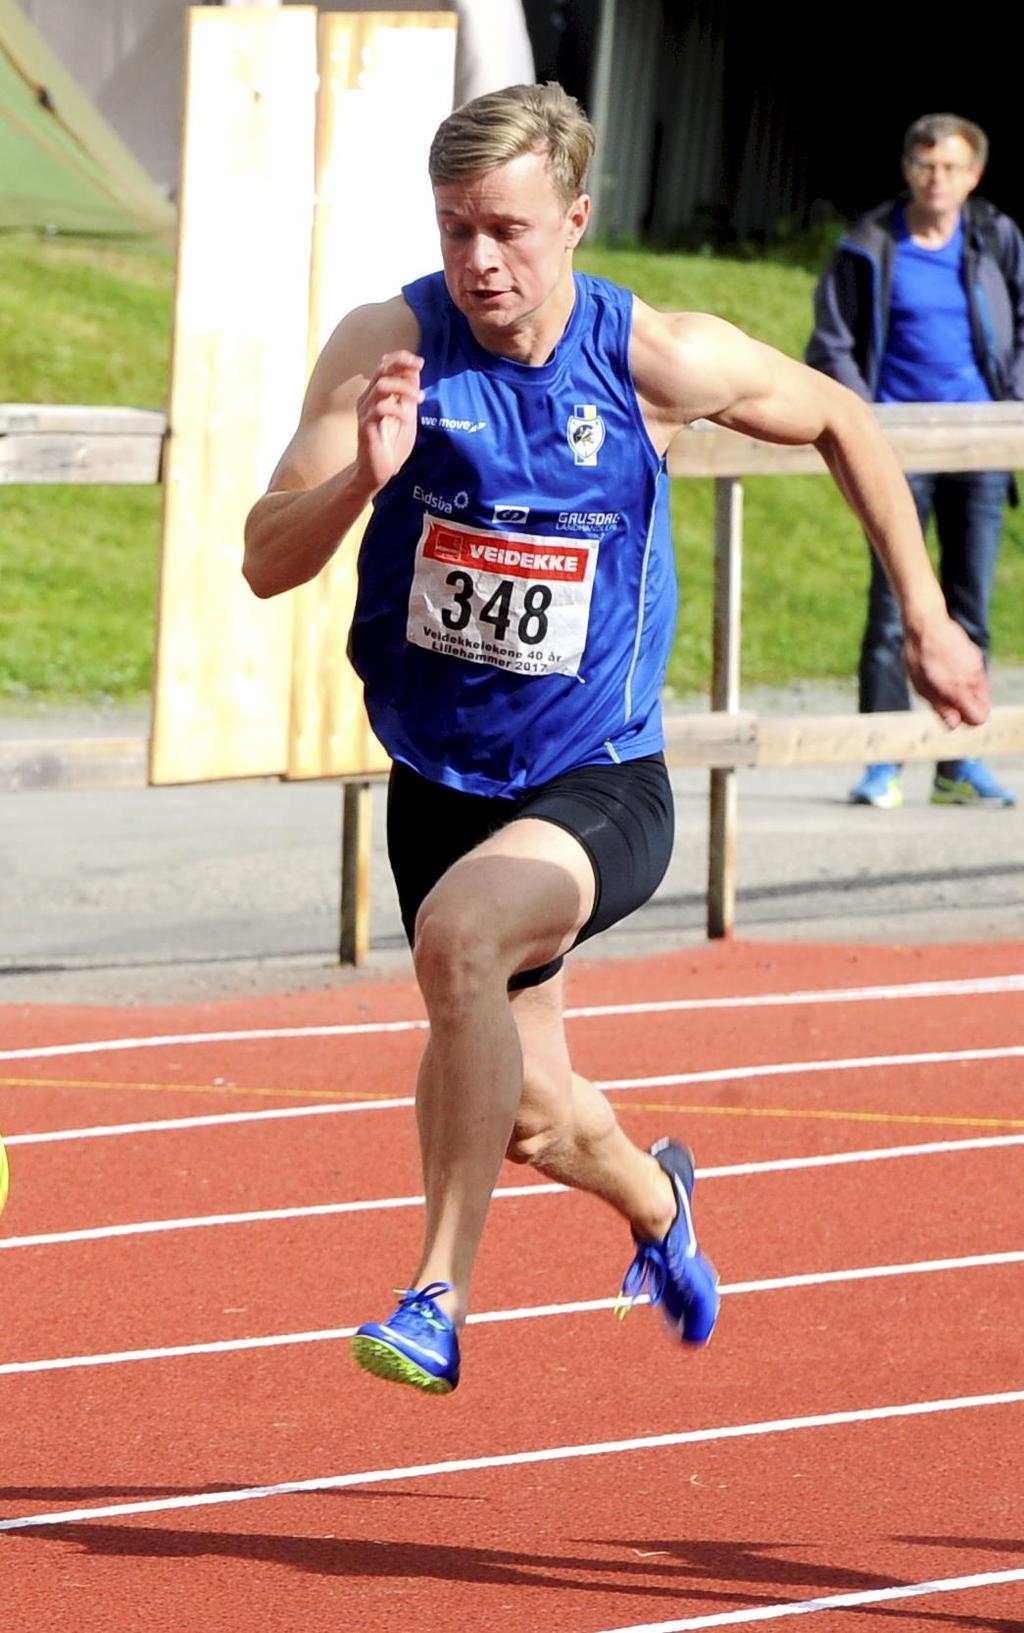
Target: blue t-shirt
{"points": [[517, 590], [929, 353]]}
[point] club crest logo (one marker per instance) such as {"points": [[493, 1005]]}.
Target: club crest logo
{"points": [[585, 432]]}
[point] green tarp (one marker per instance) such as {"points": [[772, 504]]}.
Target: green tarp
{"points": [[62, 167]]}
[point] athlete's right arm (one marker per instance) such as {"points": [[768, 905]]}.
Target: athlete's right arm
{"points": [[358, 425]]}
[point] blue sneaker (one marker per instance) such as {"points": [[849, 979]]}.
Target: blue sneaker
{"points": [[879, 787], [676, 1274], [969, 782], [417, 1345]]}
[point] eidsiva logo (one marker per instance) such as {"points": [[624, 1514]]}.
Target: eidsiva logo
{"points": [[511, 515], [585, 431]]}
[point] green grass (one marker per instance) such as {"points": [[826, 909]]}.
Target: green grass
{"points": [[78, 576], [82, 321], [89, 322]]}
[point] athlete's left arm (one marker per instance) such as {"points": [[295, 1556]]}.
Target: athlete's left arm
{"points": [[690, 365]]}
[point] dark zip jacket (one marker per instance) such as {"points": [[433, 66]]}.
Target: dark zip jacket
{"points": [[851, 302]]}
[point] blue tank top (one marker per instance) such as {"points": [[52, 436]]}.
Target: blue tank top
{"points": [[517, 590], [929, 351]]}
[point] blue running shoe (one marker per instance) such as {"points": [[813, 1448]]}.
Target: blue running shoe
{"points": [[675, 1273], [880, 787], [970, 782], [417, 1345]]}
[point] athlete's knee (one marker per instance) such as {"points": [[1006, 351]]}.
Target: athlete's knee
{"points": [[455, 952]]}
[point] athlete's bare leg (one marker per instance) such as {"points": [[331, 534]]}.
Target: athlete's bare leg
{"points": [[567, 1130], [513, 903]]}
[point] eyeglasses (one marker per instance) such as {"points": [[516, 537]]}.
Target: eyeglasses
{"points": [[927, 167]]}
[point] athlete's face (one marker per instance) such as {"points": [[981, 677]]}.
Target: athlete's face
{"points": [[507, 240]]}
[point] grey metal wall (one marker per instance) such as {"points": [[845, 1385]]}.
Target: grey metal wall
{"points": [[698, 135], [625, 110], [690, 173], [742, 119]]}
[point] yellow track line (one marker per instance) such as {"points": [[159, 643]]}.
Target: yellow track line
{"points": [[796, 1113], [188, 1088], [822, 1115]]}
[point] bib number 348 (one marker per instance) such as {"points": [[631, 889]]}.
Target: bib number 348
{"points": [[516, 601]]}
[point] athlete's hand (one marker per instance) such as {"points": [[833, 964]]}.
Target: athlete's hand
{"points": [[948, 670], [388, 416]]}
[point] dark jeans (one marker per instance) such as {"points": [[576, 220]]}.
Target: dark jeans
{"points": [[968, 509]]}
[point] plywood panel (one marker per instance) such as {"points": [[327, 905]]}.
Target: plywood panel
{"points": [[223, 672], [374, 230]]}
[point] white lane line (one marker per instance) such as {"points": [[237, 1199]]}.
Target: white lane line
{"points": [[761, 1000], [315, 1210], [776, 1165], [547, 1454], [801, 1068], [839, 1159], [171, 1040], [103, 1131], [727, 1074], [837, 1601], [536, 1312], [256, 1216], [971, 988]]}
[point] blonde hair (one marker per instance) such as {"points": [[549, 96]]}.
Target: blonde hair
{"points": [[492, 129]]}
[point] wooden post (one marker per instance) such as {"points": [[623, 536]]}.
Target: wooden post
{"points": [[725, 695], [356, 853]]}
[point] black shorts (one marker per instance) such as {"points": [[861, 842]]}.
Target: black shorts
{"points": [[622, 815]]}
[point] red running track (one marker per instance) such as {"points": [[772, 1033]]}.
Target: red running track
{"points": [[176, 1299]]}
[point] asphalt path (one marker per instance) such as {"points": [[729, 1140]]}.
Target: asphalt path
{"points": [[143, 895]]}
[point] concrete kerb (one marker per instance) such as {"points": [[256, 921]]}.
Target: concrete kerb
{"points": [[138, 895], [79, 746]]}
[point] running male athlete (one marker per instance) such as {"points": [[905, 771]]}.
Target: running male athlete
{"points": [[508, 420]]}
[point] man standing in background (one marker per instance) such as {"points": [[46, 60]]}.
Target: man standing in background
{"points": [[924, 302]]}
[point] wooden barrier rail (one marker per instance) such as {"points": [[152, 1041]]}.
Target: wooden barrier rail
{"points": [[44, 442], [924, 437], [79, 444]]}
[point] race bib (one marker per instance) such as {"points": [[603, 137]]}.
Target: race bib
{"points": [[514, 600]]}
